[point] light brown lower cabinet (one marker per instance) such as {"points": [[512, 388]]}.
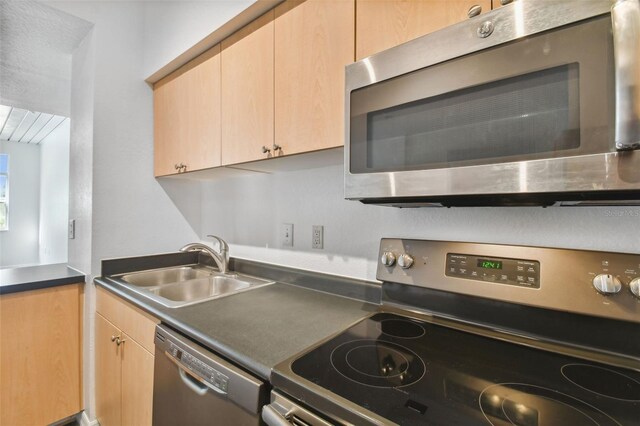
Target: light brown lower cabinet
{"points": [[124, 367], [40, 352]]}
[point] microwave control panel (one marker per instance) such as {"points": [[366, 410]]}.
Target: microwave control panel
{"points": [[519, 272]]}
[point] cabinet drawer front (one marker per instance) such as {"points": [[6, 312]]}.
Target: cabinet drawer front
{"points": [[139, 325]]}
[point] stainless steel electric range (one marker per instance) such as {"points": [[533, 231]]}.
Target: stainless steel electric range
{"points": [[478, 334]]}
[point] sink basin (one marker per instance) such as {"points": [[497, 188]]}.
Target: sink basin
{"points": [[200, 288], [187, 285], [158, 277]]}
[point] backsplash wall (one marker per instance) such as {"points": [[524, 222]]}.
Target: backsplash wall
{"points": [[248, 212]]}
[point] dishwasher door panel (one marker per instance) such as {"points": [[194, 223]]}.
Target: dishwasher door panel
{"points": [[182, 397]]}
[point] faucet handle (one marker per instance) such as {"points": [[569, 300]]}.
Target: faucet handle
{"points": [[224, 247]]}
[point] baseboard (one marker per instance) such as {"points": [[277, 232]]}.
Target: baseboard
{"points": [[84, 420]]}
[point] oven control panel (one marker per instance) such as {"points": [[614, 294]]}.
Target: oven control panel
{"points": [[519, 272], [594, 283]]}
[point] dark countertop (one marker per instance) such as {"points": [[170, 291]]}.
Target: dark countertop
{"points": [[36, 277], [258, 328]]}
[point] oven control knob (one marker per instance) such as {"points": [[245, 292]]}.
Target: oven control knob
{"points": [[388, 258], [607, 284], [405, 261], [634, 285]]}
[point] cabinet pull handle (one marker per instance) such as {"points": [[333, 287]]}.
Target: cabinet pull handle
{"points": [[277, 147], [118, 340], [474, 10], [505, 2], [265, 150], [180, 167]]}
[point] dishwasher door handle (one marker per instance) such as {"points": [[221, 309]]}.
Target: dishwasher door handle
{"points": [[188, 377], [198, 388]]}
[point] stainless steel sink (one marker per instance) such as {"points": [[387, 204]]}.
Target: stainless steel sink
{"points": [[187, 285], [158, 277]]}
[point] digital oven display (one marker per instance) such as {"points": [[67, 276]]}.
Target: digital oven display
{"points": [[489, 264]]}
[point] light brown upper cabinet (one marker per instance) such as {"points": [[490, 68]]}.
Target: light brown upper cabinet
{"points": [[247, 92], [186, 107], [381, 24], [313, 43]]}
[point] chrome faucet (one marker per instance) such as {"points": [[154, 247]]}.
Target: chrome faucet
{"points": [[221, 258]]}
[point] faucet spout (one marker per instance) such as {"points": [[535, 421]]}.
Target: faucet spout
{"points": [[221, 259]]}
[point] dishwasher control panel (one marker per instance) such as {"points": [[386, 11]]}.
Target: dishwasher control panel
{"points": [[200, 368]]}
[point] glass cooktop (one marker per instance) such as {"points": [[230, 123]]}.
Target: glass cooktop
{"points": [[414, 372]]}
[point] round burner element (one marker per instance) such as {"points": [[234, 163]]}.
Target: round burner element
{"points": [[525, 404], [401, 328], [603, 381], [377, 363]]}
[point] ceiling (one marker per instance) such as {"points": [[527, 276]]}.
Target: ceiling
{"points": [[36, 46], [21, 125]]}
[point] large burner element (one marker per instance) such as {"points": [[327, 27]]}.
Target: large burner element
{"points": [[603, 381], [530, 405], [377, 363]]}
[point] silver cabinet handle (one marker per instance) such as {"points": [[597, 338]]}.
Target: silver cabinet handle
{"points": [[505, 2], [265, 150], [474, 10], [180, 167], [272, 418], [625, 16], [276, 147]]}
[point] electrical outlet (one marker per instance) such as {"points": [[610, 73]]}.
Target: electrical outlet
{"points": [[287, 234], [317, 237], [72, 229]]}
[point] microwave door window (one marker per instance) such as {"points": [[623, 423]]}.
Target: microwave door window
{"points": [[517, 118]]}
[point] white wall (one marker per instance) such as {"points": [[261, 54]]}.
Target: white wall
{"points": [[248, 212], [131, 213], [19, 245], [172, 27], [54, 195], [81, 198]]}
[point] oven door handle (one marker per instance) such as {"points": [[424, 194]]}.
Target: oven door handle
{"points": [[272, 417], [625, 16]]}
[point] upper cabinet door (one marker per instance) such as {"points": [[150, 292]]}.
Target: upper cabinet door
{"points": [[187, 116], [313, 43], [382, 24], [247, 92]]}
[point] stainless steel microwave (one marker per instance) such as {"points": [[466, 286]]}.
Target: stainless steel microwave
{"points": [[536, 103]]}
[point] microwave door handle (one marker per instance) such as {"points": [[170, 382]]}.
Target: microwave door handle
{"points": [[625, 15]]}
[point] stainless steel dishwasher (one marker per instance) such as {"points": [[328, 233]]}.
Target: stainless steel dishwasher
{"points": [[192, 386]]}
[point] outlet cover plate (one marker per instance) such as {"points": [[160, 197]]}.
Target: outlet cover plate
{"points": [[287, 234], [317, 237]]}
